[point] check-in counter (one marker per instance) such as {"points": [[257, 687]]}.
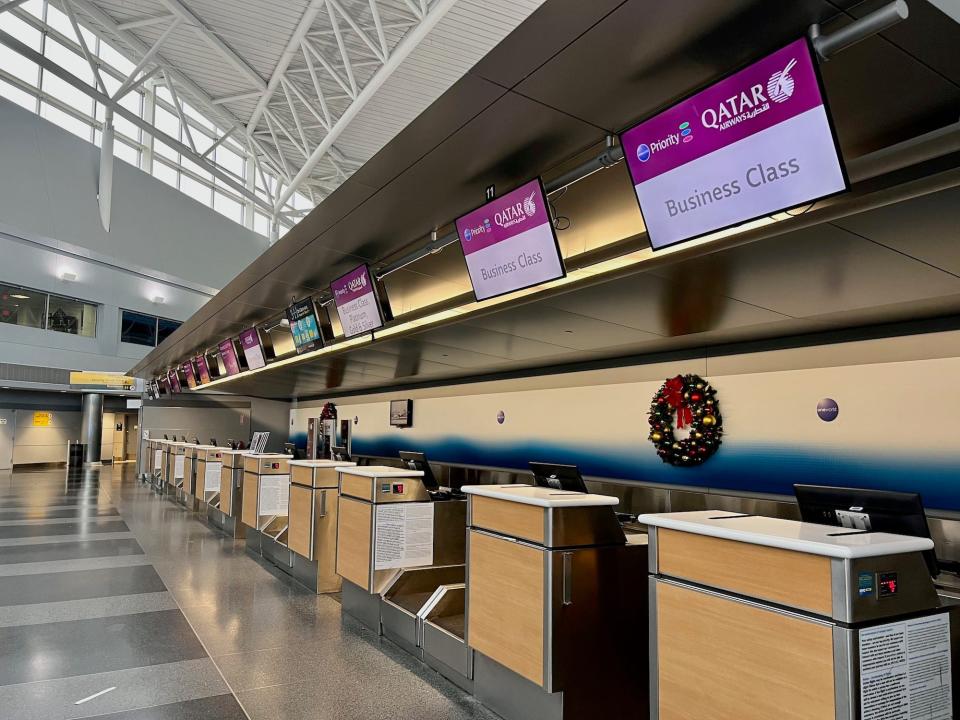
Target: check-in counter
{"points": [[755, 618], [312, 532], [190, 494], [155, 452], [266, 504], [388, 524], [556, 605], [226, 513], [207, 467], [176, 460]]}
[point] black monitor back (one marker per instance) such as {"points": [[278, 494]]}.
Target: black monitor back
{"points": [[558, 477], [418, 461]]}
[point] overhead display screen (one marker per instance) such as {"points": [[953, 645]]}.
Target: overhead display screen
{"points": [[202, 368], [304, 326], [510, 243], [755, 143], [252, 350], [189, 374], [228, 356], [174, 381], [357, 304]]}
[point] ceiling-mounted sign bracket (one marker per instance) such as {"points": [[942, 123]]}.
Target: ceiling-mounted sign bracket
{"points": [[826, 46]]}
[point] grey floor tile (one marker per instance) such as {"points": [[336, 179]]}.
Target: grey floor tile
{"points": [[60, 539], [52, 566], [68, 551], [71, 512], [83, 527], [80, 585], [56, 650], [219, 707], [99, 607], [57, 521], [136, 688]]}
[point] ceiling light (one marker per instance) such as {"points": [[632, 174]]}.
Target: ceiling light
{"points": [[159, 299], [21, 297], [68, 276]]}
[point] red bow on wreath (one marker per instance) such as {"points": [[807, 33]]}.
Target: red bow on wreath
{"points": [[674, 394]]}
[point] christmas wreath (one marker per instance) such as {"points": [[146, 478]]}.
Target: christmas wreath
{"points": [[696, 407]]}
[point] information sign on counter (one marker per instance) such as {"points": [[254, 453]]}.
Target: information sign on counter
{"points": [[905, 670], [203, 369], [228, 356], [157, 459], [404, 533], [510, 244], [211, 477], [274, 496], [755, 143], [304, 326], [357, 303], [178, 467], [252, 350]]}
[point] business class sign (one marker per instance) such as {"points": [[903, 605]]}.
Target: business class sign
{"points": [[357, 305], [758, 142]]}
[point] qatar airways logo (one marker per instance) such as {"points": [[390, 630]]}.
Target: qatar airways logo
{"points": [[750, 103], [358, 283], [517, 213]]}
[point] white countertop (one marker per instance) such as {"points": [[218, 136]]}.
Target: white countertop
{"points": [[228, 451], [321, 463], [377, 471], [788, 534], [544, 497], [271, 456]]}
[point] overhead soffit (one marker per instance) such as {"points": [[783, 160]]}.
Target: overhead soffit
{"points": [[393, 205]]}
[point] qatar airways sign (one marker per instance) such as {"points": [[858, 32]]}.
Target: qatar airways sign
{"points": [[252, 350], [509, 243], [228, 358], [753, 144], [357, 305]]}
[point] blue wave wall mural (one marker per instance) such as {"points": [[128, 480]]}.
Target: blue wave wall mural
{"points": [[773, 435]]}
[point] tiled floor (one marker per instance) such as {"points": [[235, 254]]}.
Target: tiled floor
{"points": [[104, 585]]}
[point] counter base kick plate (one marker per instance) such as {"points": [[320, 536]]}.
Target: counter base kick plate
{"points": [[510, 695], [361, 605]]}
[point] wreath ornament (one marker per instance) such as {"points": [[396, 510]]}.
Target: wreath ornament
{"points": [[696, 407]]}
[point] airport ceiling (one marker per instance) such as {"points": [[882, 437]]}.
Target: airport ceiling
{"points": [[546, 96]]}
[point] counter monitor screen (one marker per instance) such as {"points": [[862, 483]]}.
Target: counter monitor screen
{"points": [[304, 326], [358, 306], [753, 144], [228, 357], [558, 477], [252, 349], [340, 454], [900, 513], [418, 461], [510, 243]]}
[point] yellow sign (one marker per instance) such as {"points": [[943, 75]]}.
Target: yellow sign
{"points": [[42, 419], [101, 379]]}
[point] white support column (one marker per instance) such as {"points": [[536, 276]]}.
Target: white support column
{"points": [[105, 186], [249, 178], [149, 115]]}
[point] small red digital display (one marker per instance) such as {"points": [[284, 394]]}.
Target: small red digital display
{"points": [[888, 584]]}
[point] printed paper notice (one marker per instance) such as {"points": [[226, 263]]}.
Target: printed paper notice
{"points": [[157, 455], [178, 467], [211, 477], [274, 495], [404, 535], [905, 670]]}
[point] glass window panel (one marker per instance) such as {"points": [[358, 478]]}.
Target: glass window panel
{"points": [[72, 316], [24, 99], [194, 114], [115, 59], [138, 328], [125, 127], [20, 306], [164, 94], [166, 122], [160, 148], [125, 152], [191, 166], [111, 82], [197, 190], [162, 172], [230, 161], [34, 7], [67, 93], [21, 30], [229, 207], [132, 101], [165, 328], [68, 60], [67, 122], [59, 21], [15, 64], [261, 224]]}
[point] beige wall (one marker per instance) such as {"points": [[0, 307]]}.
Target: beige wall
{"points": [[33, 444]]}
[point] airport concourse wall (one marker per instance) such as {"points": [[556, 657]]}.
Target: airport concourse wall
{"points": [[896, 427]]}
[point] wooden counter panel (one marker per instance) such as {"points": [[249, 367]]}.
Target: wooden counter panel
{"points": [[357, 486], [506, 604], [301, 475], [508, 518], [785, 577], [226, 490], [725, 660], [251, 494], [300, 520], [188, 475], [354, 528]]}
